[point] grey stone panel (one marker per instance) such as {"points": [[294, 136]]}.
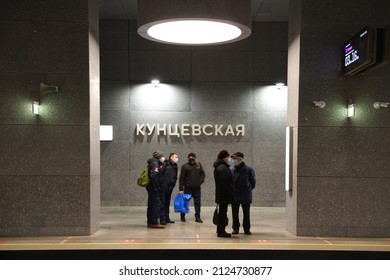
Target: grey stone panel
{"points": [[270, 99], [46, 43], [214, 66], [269, 126], [229, 97], [270, 67], [162, 65], [61, 11], [52, 205], [120, 120], [42, 150], [112, 184], [344, 152], [346, 206], [323, 51], [115, 65], [344, 12], [114, 95], [270, 36], [114, 35], [165, 97], [115, 155], [95, 199], [364, 92]]}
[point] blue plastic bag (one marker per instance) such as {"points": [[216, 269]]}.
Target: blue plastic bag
{"points": [[181, 203]]}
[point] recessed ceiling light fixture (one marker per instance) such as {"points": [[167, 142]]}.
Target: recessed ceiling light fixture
{"points": [[194, 22]]}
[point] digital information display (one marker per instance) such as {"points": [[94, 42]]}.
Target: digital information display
{"points": [[359, 52]]}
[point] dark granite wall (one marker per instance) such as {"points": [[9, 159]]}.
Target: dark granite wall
{"points": [[49, 164], [227, 84], [341, 172]]}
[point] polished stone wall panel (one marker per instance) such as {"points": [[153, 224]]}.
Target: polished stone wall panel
{"points": [[21, 145], [115, 65], [44, 53], [162, 65], [114, 35], [45, 215], [62, 11], [322, 199], [222, 66], [270, 67], [269, 36], [114, 95]]}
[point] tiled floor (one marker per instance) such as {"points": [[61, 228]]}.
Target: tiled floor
{"points": [[125, 228]]}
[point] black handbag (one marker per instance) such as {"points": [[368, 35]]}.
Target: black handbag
{"points": [[215, 217]]}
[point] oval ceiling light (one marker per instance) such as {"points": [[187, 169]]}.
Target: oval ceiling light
{"points": [[196, 22]]}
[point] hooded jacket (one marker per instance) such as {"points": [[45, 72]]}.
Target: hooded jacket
{"points": [[224, 186], [170, 176]]}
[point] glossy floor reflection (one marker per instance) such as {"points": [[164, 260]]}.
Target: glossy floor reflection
{"points": [[125, 228]]}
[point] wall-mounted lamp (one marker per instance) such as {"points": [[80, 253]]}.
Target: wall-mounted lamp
{"points": [[378, 105], [350, 108], [279, 85], [35, 107], [43, 90], [320, 104], [155, 82]]}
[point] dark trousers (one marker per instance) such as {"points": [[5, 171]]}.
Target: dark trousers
{"points": [[222, 218], [196, 194], [246, 222], [154, 210], [166, 203]]}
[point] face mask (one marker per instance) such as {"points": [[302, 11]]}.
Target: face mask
{"points": [[162, 159], [191, 160], [234, 162], [228, 160], [175, 160]]}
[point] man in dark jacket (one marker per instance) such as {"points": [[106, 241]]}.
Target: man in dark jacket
{"points": [[224, 191], [244, 183], [170, 179], [156, 175], [192, 176]]}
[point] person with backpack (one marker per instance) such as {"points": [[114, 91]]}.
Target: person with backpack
{"points": [[244, 182], [156, 170]]}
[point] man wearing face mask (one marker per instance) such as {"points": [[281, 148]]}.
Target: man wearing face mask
{"points": [[169, 184], [192, 176], [244, 183], [156, 168]]}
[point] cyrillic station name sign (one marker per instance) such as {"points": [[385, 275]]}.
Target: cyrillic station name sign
{"points": [[191, 129]]}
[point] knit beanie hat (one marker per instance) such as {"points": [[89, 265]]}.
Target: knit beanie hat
{"points": [[191, 155], [158, 154], [222, 154]]}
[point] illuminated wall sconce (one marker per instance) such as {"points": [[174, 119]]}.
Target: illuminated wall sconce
{"points": [[43, 90], [155, 82], [350, 109], [319, 104], [35, 107], [378, 105], [279, 85]]}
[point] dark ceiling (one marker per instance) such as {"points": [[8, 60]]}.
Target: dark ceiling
{"points": [[262, 10]]}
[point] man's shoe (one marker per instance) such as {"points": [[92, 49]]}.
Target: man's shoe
{"points": [[182, 218], [248, 232], [224, 234], [170, 221], [198, 220], [163, 223], [235, 232], [157, 226]]}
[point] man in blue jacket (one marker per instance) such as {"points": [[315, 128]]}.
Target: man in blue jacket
{"points": [[244, 183]]}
